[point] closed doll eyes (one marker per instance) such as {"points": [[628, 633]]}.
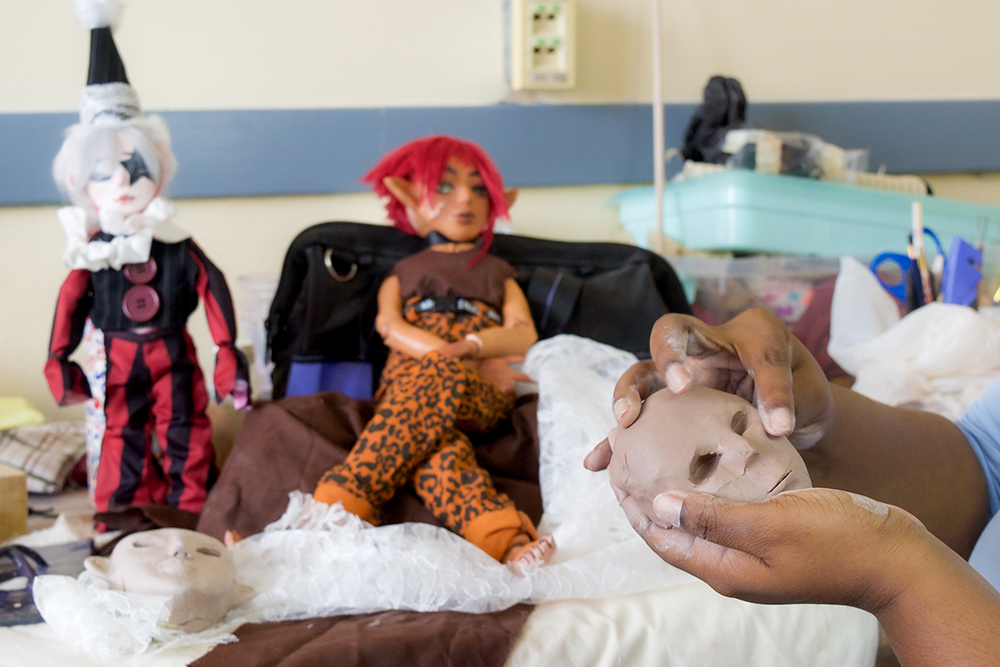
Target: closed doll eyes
{"points": [[149, 543]]}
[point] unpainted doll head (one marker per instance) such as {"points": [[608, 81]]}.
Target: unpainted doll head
{"points": [[703, 440], [194, 570]]}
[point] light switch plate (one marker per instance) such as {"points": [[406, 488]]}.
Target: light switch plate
{"points": [[542, 45]]}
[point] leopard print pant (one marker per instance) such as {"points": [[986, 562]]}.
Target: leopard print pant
{"points": [[417, 436]]}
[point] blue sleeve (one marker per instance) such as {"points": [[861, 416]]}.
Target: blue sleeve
{"points": [[981, 425]]}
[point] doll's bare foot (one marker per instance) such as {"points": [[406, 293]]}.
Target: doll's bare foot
{"points": [[524, 552]]}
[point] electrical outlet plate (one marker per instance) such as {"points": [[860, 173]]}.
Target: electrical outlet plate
{"points": [[542, 44]]}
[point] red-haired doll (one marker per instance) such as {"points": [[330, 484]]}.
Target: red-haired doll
{"points": [[452, 316]]}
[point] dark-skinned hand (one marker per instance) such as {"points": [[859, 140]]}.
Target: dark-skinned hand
{"points": [[811, 545], [753, 355]]}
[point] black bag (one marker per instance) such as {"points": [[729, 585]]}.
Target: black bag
{"points": [[326, 301], [724, 108]]}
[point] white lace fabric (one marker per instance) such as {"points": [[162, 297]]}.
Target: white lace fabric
{"points": [[111, 624], [318, 560]]}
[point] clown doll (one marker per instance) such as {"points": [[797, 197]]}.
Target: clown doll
{"points": [[138, 277], [453, 318]]}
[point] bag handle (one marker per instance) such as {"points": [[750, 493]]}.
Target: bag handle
{"points": [[552, 296]]}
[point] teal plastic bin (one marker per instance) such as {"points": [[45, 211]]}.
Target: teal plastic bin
{"points": [[761, 213]]}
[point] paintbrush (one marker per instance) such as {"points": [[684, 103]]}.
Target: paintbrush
{"points": [[918, 251]]}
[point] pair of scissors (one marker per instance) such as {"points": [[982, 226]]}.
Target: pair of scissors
{"points": [[893, 269]]}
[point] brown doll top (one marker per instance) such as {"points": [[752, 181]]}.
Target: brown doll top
{"points": [[430, 273]]}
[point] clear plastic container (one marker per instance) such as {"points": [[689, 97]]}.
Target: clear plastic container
{"points": [[720, 288]]}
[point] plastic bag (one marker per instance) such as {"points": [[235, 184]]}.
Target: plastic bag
{"points": [[792, 153]]}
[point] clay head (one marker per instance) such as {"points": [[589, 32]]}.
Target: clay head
{"points": [[703, 440], [194, 570]]}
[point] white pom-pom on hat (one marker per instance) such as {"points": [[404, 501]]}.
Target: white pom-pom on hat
{"points": [[92, 14]]}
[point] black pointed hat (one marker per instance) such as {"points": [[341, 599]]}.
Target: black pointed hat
{"points": [[106, 65], [108, 97]]}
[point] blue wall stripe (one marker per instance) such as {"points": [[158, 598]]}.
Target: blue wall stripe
{"points": [[302, 151]]}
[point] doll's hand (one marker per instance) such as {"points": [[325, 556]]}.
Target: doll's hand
{"points": [[753, 355], [463, 349], [67, 381], [812, 545], [498, 371], [241, 395]]}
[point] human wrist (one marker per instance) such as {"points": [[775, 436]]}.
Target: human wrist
{"points": [[947, 614], [906, 573]]}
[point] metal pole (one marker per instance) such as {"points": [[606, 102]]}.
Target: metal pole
{"points": [[659, 176]]}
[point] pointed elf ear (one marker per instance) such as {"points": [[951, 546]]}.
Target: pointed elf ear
{"points": [[510, 194], [403, 190]]}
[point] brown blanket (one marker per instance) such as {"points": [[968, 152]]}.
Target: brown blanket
{"points": [[288, 445], [389, 638]]}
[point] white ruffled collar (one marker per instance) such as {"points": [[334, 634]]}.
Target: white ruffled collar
{"points": [[133, 248]]}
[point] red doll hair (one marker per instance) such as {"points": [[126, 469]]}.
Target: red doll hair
{"points": [[423, 161]]}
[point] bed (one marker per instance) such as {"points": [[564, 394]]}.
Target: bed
{"points": [[604, 600]]}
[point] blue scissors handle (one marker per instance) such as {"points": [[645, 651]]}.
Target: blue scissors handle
{"points": [[897, 289]]}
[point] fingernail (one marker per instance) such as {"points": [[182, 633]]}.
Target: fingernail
{"points": [[668, 508], [620, 407], [779, 421], [678, 378]]}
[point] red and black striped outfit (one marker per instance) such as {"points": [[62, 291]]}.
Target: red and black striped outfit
{"points": [[153, 377]]}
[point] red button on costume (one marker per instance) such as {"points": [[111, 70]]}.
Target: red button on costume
{"points": [[141, 303]]}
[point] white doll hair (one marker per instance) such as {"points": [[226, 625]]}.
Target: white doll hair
{"points": [[86, 145]]}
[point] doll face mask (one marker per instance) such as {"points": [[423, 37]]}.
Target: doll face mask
{"points": [[193, 569], [703, 440], [120, 185], [459, 204]]}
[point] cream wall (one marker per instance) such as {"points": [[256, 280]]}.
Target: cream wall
{"points": [[221, 54], [246, 54]]}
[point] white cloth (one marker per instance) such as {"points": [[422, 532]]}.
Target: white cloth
{"points": [[939, 358], [860, 311], [111, 624], [133, 236]]}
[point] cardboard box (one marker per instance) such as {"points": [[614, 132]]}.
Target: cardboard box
{"points": [[13, 502]]}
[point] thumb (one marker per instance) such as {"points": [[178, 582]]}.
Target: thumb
{"points": [[711, 518]]}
